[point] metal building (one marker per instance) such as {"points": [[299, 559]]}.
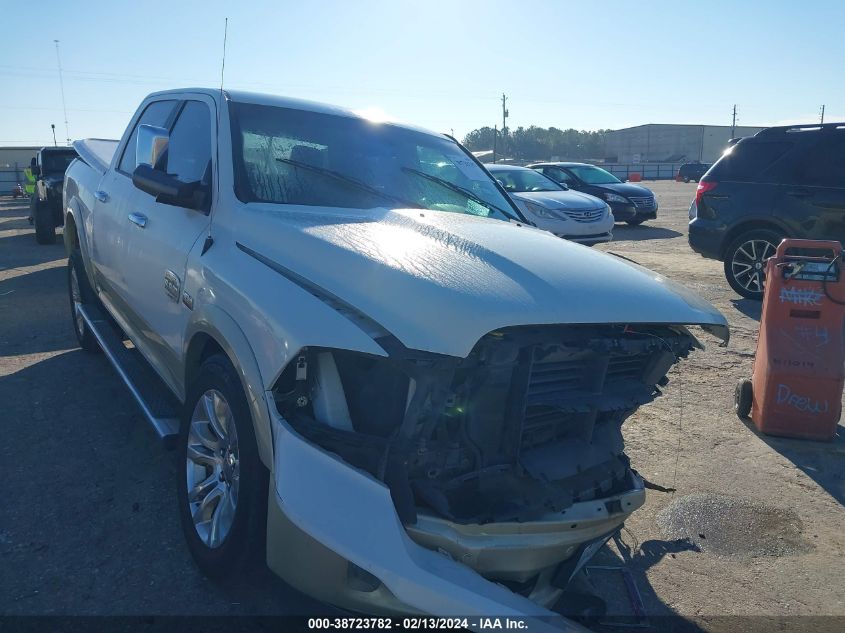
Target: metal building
{"points": [[13, 160], [670, 143]]}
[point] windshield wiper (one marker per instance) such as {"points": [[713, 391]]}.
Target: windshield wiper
{"points": [[351, 181], [461, 190]]}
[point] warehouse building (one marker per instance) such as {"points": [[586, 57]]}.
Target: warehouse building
{"points": [[670, 143], [13, 160]]}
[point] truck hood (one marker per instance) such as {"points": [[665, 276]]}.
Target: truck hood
{"points": [[440, 281], [569, 200]]}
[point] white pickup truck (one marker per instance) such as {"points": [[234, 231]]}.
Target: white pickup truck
{"points": [[378, 380]]}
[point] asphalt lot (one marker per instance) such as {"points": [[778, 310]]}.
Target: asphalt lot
{"points": [[89, 524]]}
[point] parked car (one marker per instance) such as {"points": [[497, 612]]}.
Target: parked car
{"points": [[781, 182], [575, 216], [692, 171], [379, 381], [45, 206], [633, 204]]}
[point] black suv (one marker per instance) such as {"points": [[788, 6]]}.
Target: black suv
{"points": [[692, 171], [781, 182], [45, 206]]}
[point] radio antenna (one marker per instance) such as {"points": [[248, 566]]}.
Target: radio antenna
{"points": [[223, 65], [208, 239]]}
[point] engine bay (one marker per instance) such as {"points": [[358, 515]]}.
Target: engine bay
{"points": [[526, 425]]}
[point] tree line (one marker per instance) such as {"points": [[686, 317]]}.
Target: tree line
{"points": [[539, 143]]}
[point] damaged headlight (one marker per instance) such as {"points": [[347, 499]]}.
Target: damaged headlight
{"points": [[528, 424]]}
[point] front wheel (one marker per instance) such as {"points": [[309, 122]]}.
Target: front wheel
{"points": [[42, 217], [745, 261], [635, 221], [80, 293], [222, 486]]}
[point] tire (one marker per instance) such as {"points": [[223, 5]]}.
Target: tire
{"points": [[224, 471], [743, 397], [80, 293], [686, 179], [635, 221], [45, 228], [744, 261]]}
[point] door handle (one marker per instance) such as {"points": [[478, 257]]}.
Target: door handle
{"points": [[799, 193], [101, 196], [138, 219]]}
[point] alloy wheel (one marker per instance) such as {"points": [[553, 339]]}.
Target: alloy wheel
{"points": [[212, 468], [748, 264]]}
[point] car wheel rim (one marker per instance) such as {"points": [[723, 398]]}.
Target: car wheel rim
{"points": [[748, 265], [76, 302], [212, 468]]}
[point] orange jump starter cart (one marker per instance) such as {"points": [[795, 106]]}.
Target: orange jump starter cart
{"points": [[799, 367]]}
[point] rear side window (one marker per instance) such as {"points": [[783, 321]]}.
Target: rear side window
{"points": [[156, 113], [749, 161], [823, 165], [558, 175], [189, 150]]}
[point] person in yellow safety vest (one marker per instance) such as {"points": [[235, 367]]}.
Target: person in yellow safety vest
{"points": [[29, 187]]}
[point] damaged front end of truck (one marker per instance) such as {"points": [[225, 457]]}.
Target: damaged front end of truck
{"points": [[509, 462]]}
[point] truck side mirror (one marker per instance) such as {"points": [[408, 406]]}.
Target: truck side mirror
{"points": [[168, 189], [151, 147]]}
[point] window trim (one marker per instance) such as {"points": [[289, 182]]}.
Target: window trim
{"points": [[212, 138]]}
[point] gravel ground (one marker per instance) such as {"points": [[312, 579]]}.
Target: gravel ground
{"points": [[89, 524]]}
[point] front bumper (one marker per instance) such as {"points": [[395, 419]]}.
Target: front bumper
{"points": [[588, 240], [333, 533], [519, 551], [630, 211], [589, 233]]}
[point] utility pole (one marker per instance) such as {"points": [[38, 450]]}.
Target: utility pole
{"points": [[504, 121], [53, 125], [62, 86], [821, 118], [733, 123]]}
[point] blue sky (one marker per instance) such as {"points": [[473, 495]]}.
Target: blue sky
{"points": [[438, 64]]}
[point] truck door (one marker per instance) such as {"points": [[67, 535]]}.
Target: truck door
{"points": [[111, 208], [814, 188], [160, 237]]}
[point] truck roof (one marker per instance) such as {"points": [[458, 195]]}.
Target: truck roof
{"points": [[57, 150], [258, 98]]}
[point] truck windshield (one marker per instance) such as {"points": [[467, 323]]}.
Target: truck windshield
{"points": [[301, 157], [56, 162]]}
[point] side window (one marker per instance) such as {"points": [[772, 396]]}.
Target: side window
{"points": [[822, 165], [751, 161], [189, 151], [156, 113], [558, 175]]}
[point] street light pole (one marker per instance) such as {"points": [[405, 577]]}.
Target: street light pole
{"points": [[53, 125]]}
